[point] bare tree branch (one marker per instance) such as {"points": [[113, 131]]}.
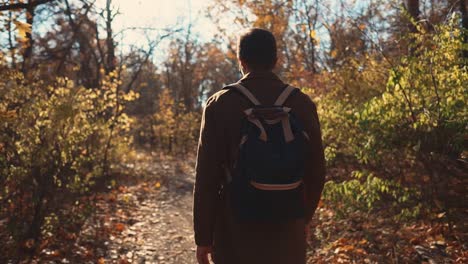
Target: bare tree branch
{"points": [[24, 5], [148, 54]]}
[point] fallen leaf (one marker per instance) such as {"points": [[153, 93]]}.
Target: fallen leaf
{"points": [[119, 227], [441, 215], [363, 241]]}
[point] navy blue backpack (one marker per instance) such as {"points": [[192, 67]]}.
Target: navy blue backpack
{"points": [[266, 181]]}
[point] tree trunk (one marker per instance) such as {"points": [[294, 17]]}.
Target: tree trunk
{"points": [[11, 47], [20, 5], [29, 40], [412, 6], [464, 25], [110, 62]]}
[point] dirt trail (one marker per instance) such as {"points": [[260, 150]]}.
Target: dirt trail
{"points": [[155, 217], [146, 218]]}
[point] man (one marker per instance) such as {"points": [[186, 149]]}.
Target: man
{"points": [[217, 232]]}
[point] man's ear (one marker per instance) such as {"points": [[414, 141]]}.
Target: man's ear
{"points": [[242, 63], [243, 66]]}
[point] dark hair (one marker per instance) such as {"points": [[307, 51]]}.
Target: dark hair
{"points": [[257, 48]]}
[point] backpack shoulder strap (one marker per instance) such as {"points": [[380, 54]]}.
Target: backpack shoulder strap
{"points": [[245, 92], [285, 95]]}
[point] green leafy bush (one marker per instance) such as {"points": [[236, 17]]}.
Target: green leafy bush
{"points": [[410, 134], [56, 141], [366, 192]]}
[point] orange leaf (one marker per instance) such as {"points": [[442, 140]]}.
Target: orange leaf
{"points": [[341, 241], [23, 28], [360, 251], [347, 248], [119, 227], [363, 241], [333, 53]]}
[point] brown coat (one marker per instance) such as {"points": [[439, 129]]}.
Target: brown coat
{"points": [[219, 140]]}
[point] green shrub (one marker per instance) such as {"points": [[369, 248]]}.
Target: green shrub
{"points": [[56, 140], [407, 136], [365, 192]]}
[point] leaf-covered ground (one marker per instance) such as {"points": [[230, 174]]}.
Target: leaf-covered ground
{"points": [[146, 218], [152, 220], [377, 238]]}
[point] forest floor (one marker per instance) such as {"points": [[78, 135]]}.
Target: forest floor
{"points": [[143, 216], [146, 218], [153, 214]]}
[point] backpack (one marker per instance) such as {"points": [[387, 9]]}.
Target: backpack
{"points": [[265, 181]]}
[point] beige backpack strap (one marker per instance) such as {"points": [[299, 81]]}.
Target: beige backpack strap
{"points": [[263, 135], [246, 92], [286, 124], [284, 95]]}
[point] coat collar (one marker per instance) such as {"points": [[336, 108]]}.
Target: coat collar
{"points": [[260, 75]]}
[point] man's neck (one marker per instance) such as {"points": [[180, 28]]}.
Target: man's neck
{"points": [[257, 72]]}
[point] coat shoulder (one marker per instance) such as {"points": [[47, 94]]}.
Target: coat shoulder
{"points": [[218, 98], [304, 100]]}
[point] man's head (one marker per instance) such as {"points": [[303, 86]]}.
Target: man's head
{"points": [[256, 50]]}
